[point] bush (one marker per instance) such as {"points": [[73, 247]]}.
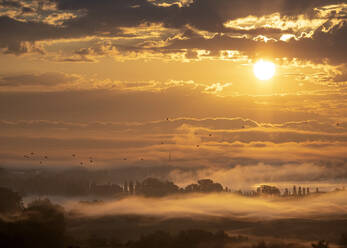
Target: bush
{"points": [[41, 225], [10, 201]]}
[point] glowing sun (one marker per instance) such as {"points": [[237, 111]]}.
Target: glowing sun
{"points": [[264, 70]]}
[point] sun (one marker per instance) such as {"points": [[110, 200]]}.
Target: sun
{"points": [[264, 70]]}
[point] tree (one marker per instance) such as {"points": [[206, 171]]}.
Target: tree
{"points": [[41, 225], [192, 188], [208, 186], [321, 244], [155, 188], [343, 240], [10, 201]]}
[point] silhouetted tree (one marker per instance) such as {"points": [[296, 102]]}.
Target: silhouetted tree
{"points": [[115, 243], [10, 201], [261, 244], [185, 239], [131, 187], [155, 188], [204, 186], [192, 188], [41, 225], [321, 244], [125, 186], [158, 239], [137, 187], [343, 240], [270, 190], [207, 186], [95, 241]]}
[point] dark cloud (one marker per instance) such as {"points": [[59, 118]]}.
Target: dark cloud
{"points": [[205, 14], [10, 3], [13, 33], [27, 10], [106, 17], [320, 47]]}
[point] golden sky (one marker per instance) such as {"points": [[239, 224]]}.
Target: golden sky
{"points": [[142, 79]]}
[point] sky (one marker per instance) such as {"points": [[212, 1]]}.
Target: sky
{"points": [[170, 83]]}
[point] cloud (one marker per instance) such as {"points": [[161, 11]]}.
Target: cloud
{"points": [[44, 79], [316, 25], [15, 34], [206, 14], [131, 101], [319, 47]]}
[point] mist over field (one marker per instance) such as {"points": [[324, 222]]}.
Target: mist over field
{"points": [[220, 205]]}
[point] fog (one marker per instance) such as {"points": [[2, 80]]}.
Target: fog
{"points": [[219, 205], [252, 175]]}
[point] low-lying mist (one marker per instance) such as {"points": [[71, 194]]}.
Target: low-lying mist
{"points": [[219, 205]]}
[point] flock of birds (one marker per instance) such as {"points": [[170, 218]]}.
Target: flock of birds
{"points": [[42, 158], [33, 156]]}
